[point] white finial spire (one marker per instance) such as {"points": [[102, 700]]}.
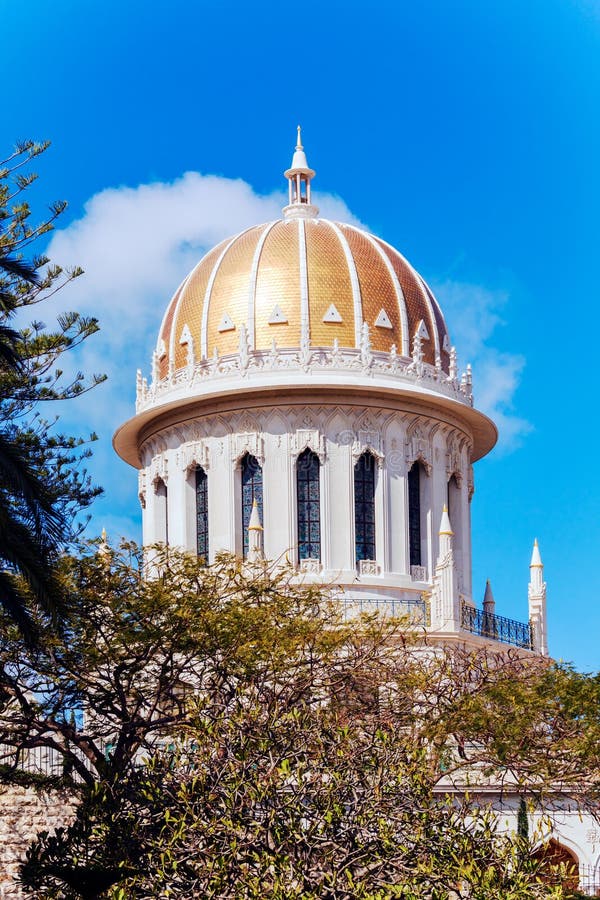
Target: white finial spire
{"points": [[536, 559], [103, 548], [445, 533], [255, 530], [299, 176], [489, 604], [537, 601], [445, 526], [254, 523], [445, 597]]}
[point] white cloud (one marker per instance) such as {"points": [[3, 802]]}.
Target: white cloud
{"points": [[473, 314]]}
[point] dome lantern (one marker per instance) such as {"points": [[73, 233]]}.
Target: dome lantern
{"points": [[299, 177]]}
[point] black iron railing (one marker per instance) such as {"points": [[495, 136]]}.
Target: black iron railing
{"points": [[589, 880], [415, 610], [498, 628]]}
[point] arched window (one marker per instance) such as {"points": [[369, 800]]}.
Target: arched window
{"points": [[309, 505], [252, 489], [455, 513], [162, 512], [453, 501], [414, 514], [559, 865], [202, 513], [364, 507]]}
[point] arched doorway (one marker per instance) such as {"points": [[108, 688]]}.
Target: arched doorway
{"points": [[559, 865]]}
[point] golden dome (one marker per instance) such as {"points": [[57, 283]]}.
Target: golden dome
{"points": [[275, 278], [296, 303]]}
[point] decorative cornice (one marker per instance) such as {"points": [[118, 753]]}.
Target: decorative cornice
{"points": [[248, 363]]}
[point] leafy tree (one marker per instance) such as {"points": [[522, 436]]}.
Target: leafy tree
{"points": [[42, 486], [237, 736]]}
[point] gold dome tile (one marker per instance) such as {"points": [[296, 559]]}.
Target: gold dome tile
{"points": [[278, 282], [377, 289], [230, 292], [165, 334], [444, 338], [416, 304], [344, 267], [192, 302], [328, 282]]}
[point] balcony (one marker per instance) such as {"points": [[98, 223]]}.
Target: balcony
{"points": [[497, 628]]}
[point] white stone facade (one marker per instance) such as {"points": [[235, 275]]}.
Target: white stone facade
{"points": [[338, 431]]}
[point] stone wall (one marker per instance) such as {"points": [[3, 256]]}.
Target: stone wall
{"points": [[24, 812]]}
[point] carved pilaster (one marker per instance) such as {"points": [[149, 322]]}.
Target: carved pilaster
{"points": [[142, 488]]}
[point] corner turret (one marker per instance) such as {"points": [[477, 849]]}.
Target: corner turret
{"points": [[537, 602]]}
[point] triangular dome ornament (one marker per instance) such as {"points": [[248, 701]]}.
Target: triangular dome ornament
{"points": [[446, 343], [226, 323], [278, 317], [422, 331], [186, 336], [332, 315], [161, 349], [383, 320]]}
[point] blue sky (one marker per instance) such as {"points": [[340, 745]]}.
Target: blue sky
{"points": [[467, 134]]}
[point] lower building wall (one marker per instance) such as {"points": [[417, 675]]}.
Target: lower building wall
{"points": [[24, 813]]}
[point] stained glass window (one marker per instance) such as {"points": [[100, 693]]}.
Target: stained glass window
{"points": [[414, 514], [364, 507], [202, 513], [252, 489], [453, 500], [309, 505]]}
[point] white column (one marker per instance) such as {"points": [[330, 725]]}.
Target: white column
{"points": [[398, 516], [327, 523], [467, 545], [277, 498], [382, 516], [428, 495], [176, 503], [189, 513], [144, 490], [292, 502], [221, 506], [439, 491], [340, 522], [159, 516], [458, 507]]}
